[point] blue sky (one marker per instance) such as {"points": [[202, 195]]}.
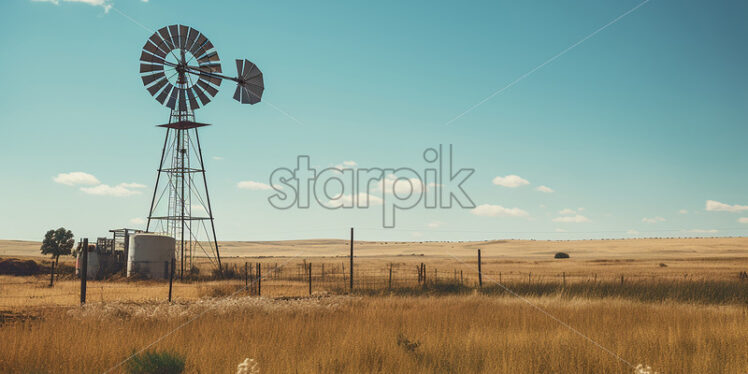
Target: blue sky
{"points": [[634, 130]]}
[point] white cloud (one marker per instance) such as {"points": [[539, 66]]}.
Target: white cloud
{"points": [[510, 181], [401, 187], [653, 219], [566, 212], [716, 206], [702, 231], [217, 158], [76, 177], [743, 219], [346, 165], [682, 211], [252, 185], [488, 210], [137, 221], [435, 224], [572, 219], [106, 4], [120, 190], [560, 230], [347, 200], [632, 232], [545, 189]]}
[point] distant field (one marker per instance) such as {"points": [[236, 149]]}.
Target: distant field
{"points": [[524, 249]]}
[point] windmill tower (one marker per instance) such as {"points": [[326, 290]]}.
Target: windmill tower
{"points": [[181, 70]]}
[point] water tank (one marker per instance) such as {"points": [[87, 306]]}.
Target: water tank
{"points": [[150, 255]]}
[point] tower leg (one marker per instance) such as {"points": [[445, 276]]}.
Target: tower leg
{"points": [[207, 199], [158, 177]]}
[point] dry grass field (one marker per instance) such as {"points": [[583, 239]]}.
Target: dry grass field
{"points": [[682, 308]]}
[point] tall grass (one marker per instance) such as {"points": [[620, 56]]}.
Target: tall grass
{"points": [[444, 334]]}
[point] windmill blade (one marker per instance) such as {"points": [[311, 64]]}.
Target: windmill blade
{"points": [[191, 36], [173, 96], [149, 58], [145, 68], [207, 87], [157, 86], [210, 57], [215, 80], [148, 79], [158, 41], [153, 49], [201, 95], [164, 33], [213, 68], [183, 30], [201, 40], [162, 96], [191, 97], [174, 31]]}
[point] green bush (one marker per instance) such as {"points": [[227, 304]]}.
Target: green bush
{"points": [[152, 362]]}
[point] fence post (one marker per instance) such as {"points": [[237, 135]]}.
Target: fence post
{"points": [[621, 279], [84, 269], [389, 281], [529, 277], [310, 278], [423, 271], [259, 279], [351, 277], [171, 276], [480, 275], [461, 282], [564, 276], [500, 277], [322, 272]]}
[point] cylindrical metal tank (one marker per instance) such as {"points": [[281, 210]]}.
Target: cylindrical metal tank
{"points": [[150, 255]]}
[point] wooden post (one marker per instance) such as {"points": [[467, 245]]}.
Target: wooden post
{"points": [[529, 277], [595, 277], [171, 276], [564, 276], [621, 279], [259, 279], [480, 274], [499, 277], [322, 272], [423, 271], [84, 269], [389, 281], [52, 276], [310, 278], [351, 266], [461, 280], [246, 275]]}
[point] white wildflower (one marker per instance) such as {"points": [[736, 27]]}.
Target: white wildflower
{"points": [[248, 366]]}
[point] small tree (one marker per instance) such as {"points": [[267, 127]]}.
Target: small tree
{"points": [[56, 243]]}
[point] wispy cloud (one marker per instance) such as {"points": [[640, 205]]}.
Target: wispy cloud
{"points": [[105, 4], [743, 219], [435, 224], [76, 178], [510, 181], [572, 219], [488, 210], [703, 231], [653, 219], [544, 189], [567, 211], [252, 185], [217, 158], [682, 211], [137, 221], [716, 206], [120, 190]]}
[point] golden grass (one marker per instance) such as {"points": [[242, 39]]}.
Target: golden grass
{"points": [[465, 334]]}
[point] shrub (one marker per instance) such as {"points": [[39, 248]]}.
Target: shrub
{"points": [[561, 255], [152, 362]]}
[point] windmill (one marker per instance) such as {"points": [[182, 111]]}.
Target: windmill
{"points": [[181, 70]]}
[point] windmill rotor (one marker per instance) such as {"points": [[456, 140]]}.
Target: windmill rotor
{"points": [[181, 69]]}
